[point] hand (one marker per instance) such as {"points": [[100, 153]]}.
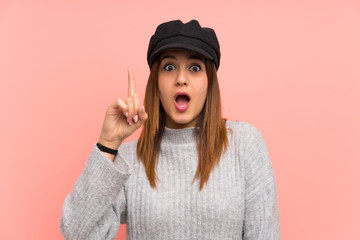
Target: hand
{"points": [[123, 117]]}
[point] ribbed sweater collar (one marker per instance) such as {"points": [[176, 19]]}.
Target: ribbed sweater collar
{"points": [[179, 136]]}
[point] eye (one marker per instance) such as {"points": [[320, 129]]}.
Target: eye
{"points": [[195, 68], [169, 67]]}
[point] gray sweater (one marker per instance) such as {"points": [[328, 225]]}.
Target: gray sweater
{"points": [[238, 202]]}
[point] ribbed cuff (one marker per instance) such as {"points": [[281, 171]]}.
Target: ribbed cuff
{"points": [[106, 170]]}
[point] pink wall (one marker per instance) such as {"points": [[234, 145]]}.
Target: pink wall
{"points": [[291, 68]]}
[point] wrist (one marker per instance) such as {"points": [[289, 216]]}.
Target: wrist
{"points": [[109, 144], [106, 149]]}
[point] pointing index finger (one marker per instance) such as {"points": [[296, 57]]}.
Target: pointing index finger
{"points": [[131, 83]]}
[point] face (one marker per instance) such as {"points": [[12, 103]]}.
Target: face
{"points": [[183, 83]]}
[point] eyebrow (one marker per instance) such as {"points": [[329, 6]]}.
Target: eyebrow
{"points": [[190, 57]]}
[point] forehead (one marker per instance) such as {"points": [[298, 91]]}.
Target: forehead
{"points": [[180, 53]]}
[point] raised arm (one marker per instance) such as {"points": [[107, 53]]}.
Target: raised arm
{"points": [[96, 206]]}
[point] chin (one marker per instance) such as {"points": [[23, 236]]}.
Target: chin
{"points": [[183, 120]]}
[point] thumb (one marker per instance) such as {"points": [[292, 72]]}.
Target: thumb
{"points": [[142, 116]]}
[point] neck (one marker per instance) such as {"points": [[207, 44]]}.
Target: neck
{"points": [[179, 136]]}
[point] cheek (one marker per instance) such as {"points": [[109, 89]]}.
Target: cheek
{"points": [[164, 90], [202, 86]]}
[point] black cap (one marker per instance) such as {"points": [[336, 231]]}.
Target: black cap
{"points": [[189, 36]]}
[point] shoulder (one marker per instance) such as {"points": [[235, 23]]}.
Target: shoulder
{"points": [[246, 138], [243, 131]]}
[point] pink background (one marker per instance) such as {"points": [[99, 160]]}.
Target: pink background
{"points": [[291, 68]]}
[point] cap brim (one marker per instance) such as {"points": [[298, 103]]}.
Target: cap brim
{"points": [[184, 46]]}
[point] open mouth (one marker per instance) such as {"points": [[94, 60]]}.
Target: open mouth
{"points": [[182, 101]]}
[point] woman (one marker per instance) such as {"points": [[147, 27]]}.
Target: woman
{"points": [[191, 174]]}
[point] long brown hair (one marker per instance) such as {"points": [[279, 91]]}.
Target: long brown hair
{"points": [[211, 135]]}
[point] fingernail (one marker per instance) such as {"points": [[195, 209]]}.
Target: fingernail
{"points": [[142, 110], [126, 114], [136, 118], [130, 121]]}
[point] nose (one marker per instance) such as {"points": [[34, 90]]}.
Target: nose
{"points": [[181, 78]]}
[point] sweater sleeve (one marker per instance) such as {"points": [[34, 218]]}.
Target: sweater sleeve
{"points": [[97, 205], [261, 219]]}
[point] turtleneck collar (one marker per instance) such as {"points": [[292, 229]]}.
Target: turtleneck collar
{"points": [[179, 136]]}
